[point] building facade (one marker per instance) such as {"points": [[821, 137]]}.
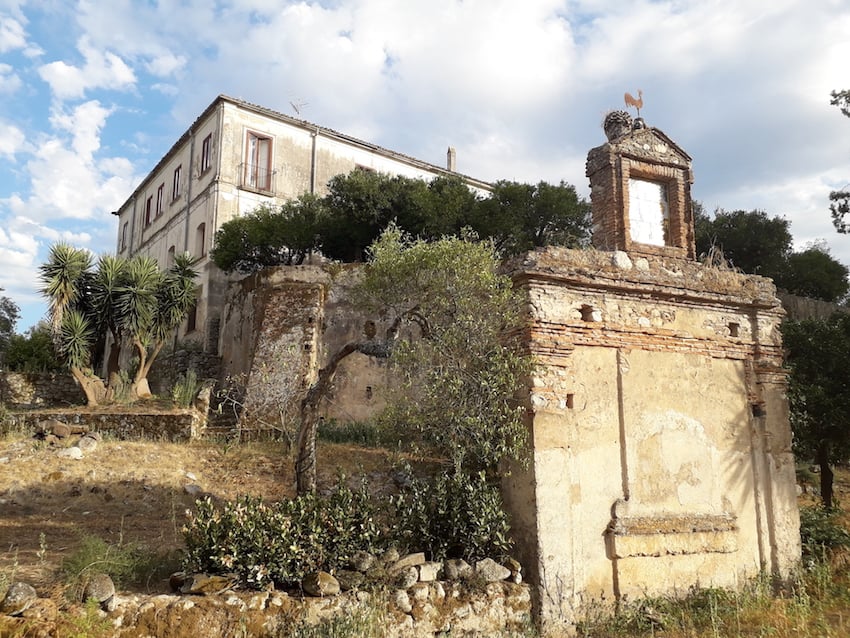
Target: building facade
{"points": [[235, 157]]}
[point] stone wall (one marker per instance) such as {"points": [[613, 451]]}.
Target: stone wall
{"points": [[135, 423], [39, 389], [279, 327]]}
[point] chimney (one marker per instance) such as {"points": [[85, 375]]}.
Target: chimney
{"points": [[451, 159]]}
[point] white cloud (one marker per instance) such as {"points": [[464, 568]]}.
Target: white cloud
{"points": [[12, 140], [12, 34], [99, 71], [166, 64], [9, 80]]}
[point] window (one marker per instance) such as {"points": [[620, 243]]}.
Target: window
{"points": [[258, 158], [206, 153], [175, 185], [200, 240], [649, 212], [160, 192], [148, 207], [124, 230]]}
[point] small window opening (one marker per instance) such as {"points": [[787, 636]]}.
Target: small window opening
{"points": [[369, 392], [758, 409], [570, 401], [734, 329], [589, 313]]}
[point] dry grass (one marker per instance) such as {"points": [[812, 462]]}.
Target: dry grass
{"points": [[135, 493]]}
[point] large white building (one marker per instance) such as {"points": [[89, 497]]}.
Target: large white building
{"points": [[233, 158]]}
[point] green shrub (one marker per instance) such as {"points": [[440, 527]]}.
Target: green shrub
{"points": [[453, 515], [185, 389], [820, 530], [281, 542]]}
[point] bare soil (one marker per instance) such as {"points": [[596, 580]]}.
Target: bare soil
{"points": [[137, 492]]}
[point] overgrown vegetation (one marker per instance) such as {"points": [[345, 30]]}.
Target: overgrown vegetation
{"points": [[281, 542], [128, 564]]}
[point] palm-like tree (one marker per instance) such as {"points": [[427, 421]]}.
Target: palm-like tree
{"points": [[132, 301]]}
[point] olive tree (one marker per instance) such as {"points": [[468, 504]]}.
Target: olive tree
{"points": [[457, 374]]}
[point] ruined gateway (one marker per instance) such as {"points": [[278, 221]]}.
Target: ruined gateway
{"points": [[661, 447]]}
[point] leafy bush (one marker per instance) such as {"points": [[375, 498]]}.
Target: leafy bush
{"points": [[821, 531], [281, 542], [454, 515]]}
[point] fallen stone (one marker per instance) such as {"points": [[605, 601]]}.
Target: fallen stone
{"points": [[87, 443], [361, 561], [100, 587], [430, 571], [516, 570], [490, 571], [407, 577], [193, 490], [18, 598], [320, 584], [402, 601], [390, 556], [206, 584], [72, 452], [457, 569], [349, 579], [411, 560]]}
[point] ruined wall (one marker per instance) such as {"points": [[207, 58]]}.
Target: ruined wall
{"points": [[661, 444], [279, 328], [28, 390]]}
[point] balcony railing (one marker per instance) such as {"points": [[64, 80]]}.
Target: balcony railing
{"points": [[256, 178]]}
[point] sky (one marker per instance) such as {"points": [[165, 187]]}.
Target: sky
{"points": [[94, 92]]}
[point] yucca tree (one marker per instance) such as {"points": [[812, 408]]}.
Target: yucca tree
{"points": [[132, 301]]}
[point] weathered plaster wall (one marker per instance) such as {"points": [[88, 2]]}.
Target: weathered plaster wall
{"points": [[661, 452]]}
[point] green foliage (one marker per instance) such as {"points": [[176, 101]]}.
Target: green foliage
{"points": [[520, 217], [269, 237], [132, 300], [363, 433], [821, 531], [458, 381], [281, 542], [185, 389], [751, 241], [817, 352], [759, 245], [9, 315], [359, 205], [815, 273], [453, 515], [32, 351]]}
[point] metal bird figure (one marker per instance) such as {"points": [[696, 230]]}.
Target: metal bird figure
{"points": [[635, 102]]}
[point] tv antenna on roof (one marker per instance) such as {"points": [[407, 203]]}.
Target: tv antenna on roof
{"points": [[297, 105]]}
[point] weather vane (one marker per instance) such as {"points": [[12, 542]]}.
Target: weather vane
{"points": [[636, 102]]}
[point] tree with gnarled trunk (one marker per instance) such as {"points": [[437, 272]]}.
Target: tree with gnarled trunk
{"points": [[131, 300], [457, 376]]}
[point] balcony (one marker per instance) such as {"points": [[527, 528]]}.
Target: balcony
{"points": [[256, 178]]}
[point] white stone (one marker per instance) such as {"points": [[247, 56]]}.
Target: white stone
{"points": [[72, 452], [621, 260]]}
